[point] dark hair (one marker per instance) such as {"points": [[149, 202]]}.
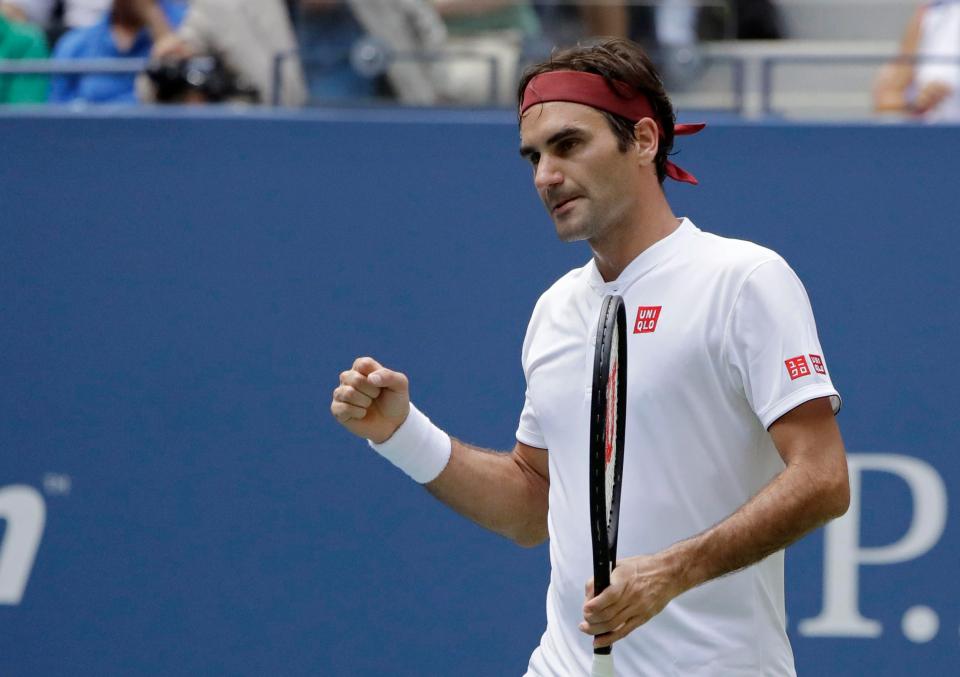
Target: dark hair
{"points": [[621, 60]]}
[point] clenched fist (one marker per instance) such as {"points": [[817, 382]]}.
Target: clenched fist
{"points": [[371, 401]]}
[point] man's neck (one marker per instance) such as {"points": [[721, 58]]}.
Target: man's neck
{"points": [[621, 245]]}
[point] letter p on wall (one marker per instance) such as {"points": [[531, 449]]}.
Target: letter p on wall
{"points": [[843, 554], [25, 513]]}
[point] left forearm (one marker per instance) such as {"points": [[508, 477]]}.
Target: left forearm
{"points": [[812, 489], [794, 503]]}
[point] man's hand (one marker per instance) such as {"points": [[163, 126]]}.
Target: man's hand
{"points": [[640, 587], [171, 46], [371, 401], [930, 96]]}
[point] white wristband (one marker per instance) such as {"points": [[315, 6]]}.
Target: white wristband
{"points": [[417, 447]]}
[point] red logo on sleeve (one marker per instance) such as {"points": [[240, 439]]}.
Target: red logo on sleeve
{"points": [[647, 317], [817, 363], [797, 367]]}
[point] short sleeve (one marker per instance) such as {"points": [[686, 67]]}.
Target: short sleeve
{"points": [[528, 431], [772, 346]]}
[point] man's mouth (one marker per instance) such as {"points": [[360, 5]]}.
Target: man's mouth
{"points": [[562, 205]]}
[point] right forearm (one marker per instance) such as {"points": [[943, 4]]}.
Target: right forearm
{"points": [[890, 88], [506, 493], [499, 491]]}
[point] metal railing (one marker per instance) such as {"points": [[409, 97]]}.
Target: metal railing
{"points": [[72, 66], [752, 84], [769, 66]]}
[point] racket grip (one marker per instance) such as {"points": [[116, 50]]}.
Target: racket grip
{"points": [[602, 665]]}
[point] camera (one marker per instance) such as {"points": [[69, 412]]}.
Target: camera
{"points": [[198, 78]]}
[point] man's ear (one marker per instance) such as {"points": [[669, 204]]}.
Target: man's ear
{"points": [[646, 137]]}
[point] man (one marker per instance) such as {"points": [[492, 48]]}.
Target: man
{"points": [[732, 448], [248, 36], [128, 30]]}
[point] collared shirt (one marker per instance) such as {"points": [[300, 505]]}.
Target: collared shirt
{"points": [[97, 42]]}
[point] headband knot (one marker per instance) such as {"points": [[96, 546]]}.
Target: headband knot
{"points": [[612, 96]]}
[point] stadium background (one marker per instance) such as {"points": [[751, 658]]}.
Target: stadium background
{"points": [[181, 289]]}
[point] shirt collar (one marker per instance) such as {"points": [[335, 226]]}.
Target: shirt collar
{"points": [[647, 260]]}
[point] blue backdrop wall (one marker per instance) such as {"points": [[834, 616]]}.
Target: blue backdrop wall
{"points": [[180, 291]]}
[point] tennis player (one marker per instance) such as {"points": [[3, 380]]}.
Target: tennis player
{"points": [[732, 451]]}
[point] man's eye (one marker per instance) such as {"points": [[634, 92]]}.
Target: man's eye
{"points": [[534, 158], [567, 145]]}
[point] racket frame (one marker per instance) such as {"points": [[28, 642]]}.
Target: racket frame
{"points": [[613, 318]]}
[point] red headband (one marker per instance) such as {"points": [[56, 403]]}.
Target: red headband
{"points": [[618, 98]]}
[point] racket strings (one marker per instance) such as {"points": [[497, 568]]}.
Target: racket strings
{"points": [[610, 432]]}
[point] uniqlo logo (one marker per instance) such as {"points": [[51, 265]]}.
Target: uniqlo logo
{"points": [[797, 367], [817, 363], [647, 317]]}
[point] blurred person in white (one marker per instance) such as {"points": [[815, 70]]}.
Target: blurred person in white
{"points": [[484, 34], [407, 28], [247, 36], [76, 13], [925, 80], [349, 44]]}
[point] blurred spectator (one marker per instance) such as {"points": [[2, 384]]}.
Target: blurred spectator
{"points": [[741, 19], [72, 13], [129, 29], [758, 20], [566, 23], [482, 53], [56, 17], [19, 40], [609, 19], [327, 31], [227, 50], [668, 29], [413, 33], [928, 88], [676, 22], [669, 32], [606, 20]]}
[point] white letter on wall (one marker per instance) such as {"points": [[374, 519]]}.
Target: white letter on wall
{"points": [[842, 554], [25, 512]]}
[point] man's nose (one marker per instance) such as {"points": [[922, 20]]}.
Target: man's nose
{"points": [[547, 174]]}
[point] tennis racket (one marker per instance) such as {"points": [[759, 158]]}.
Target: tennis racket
{"points": [[607, 423]]}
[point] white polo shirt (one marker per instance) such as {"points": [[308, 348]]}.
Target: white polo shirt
{"points": [[721, 343]]}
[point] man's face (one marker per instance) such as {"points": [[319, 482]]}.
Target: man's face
{"points": [[586, 183]]}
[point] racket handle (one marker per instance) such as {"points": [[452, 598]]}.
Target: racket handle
{"points": [[602, 665]]}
